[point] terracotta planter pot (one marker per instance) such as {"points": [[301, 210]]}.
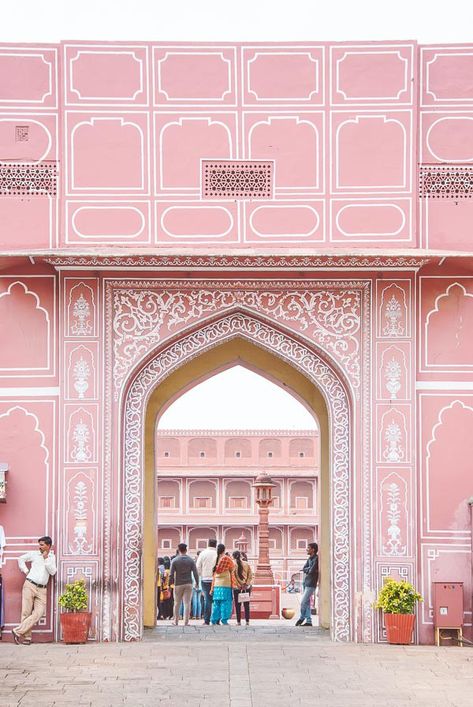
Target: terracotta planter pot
{"points": [[75, 626], [399, 628], [288, 613]]}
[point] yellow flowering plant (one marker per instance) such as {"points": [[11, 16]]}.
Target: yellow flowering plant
{"points": [[74, 597], [397, 597]]}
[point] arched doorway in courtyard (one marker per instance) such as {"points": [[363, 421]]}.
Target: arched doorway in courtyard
{"points": [[283, 359], [211, 443]]}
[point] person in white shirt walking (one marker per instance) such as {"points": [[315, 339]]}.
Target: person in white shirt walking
{"points": [[33, 598], [205, 567]]}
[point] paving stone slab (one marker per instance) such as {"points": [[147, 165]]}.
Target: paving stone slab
{"points": [[264, 671]]}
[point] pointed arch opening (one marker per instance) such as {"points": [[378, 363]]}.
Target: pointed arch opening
{"points": [[283, 359]]}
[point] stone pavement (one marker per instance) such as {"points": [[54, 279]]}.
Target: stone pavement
{"points": [[276, 630], [286, 668]]}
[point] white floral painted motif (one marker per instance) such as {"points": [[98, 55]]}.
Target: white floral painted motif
{"points": [[393, 451], [392, 375], [393, 315], [81, 374], [81, 313], [394, 546], [81, 436], [80, 546]]}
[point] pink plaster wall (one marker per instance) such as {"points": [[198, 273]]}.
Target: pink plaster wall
{"points": [[129, 123], [421, 332], [346, 129]]}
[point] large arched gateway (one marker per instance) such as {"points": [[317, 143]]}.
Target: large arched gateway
{"points": [[306, 207], [140, 410], [317, 328]]}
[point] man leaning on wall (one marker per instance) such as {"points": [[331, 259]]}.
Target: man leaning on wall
{"points": [[33, 598]]}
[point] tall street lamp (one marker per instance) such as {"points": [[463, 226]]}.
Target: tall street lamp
{"points": [[264, 488]]}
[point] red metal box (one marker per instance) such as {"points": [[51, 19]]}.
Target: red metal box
{"points": [[448, 604]]}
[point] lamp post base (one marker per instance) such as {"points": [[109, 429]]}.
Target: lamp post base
{"points": [[265, 601], [264, 575]]}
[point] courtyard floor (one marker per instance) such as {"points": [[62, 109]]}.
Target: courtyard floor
{"points": [[239, 667]]}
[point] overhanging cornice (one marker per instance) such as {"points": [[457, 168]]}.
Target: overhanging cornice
{"points": [[148, 260]]}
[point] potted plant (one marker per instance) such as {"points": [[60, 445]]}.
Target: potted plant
{"points": [[397, 599], [75, 620]]}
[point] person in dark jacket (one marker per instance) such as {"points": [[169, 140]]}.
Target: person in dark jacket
{"points": [[311, 577]]}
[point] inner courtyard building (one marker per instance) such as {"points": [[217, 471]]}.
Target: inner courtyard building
{"points": [[205, 490]]}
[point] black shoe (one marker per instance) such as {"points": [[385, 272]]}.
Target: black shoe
{"points": [[308, 623], [299, 622]]}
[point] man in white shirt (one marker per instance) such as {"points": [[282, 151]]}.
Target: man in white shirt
{"points": [[205, 567], [33, 598]]}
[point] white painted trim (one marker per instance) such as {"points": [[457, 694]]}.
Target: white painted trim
{"points": [[28, 392], [458, 386]]}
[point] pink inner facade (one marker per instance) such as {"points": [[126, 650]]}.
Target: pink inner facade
{"points": [[347, 256], [205, 490]]}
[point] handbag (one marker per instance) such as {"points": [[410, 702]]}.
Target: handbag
{"points": [[165, 594], [243, 596]]}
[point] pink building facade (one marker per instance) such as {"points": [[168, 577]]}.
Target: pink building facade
{"points": [[205, 490], [169, 210]]}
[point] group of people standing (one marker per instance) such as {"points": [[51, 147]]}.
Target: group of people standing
{"points": [[221, 578], [217, 577]]}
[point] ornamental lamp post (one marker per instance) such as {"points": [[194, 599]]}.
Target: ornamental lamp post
{"points": [[242, 543], [264, 487]]}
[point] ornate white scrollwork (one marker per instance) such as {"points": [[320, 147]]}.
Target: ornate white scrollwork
{"points": [[131, 348], [144, 317], [298, 355]]}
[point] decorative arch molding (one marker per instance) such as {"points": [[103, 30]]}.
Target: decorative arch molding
{"points": [[177, 354], [329, 315]]}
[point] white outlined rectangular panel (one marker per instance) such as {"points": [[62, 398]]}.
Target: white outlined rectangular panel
{"points": [[104, 74], [107, 152], [192, 76], [285, 221], [446, 75], [282, 75], [39, 64], [372, 73], [371, 220], [93, 222]]}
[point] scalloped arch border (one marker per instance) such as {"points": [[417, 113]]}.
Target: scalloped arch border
{"points": [[178, 354]]}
